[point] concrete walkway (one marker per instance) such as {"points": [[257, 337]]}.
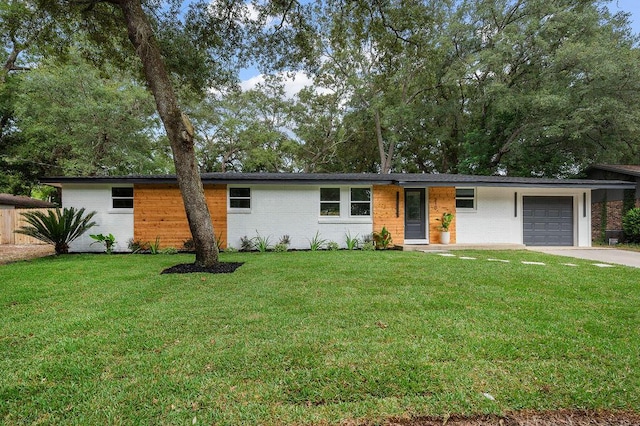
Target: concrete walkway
{"points": [[605, 255]]}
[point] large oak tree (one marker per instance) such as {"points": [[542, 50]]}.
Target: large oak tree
{"points": [[191, 47]]}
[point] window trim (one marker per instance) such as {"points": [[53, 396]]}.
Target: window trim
{"points": [[338, 201], [127, 209], [472, 198], [352, 202], [239, 209]]}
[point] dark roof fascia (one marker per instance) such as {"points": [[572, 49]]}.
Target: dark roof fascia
{"points": [[109, 179], [299, 178], [235, 178], [405, 180], [507, 181], [561, 184]]}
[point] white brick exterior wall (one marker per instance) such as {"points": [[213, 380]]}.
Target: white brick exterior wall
{"points": [[494, 220], [293, 210], [118, 222]]}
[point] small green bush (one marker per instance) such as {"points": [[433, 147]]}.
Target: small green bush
{"points": [[317, 243], [246, 244], [631, 225], [333, 246], [352, 242], [109, 241], [280, 248], [262, 244], [369, 246], [138, 246]]}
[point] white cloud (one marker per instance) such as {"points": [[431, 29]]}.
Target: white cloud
{"points": [[293, 82]]}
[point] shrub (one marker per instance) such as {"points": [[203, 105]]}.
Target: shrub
{"points": [[317, 243], [280, 248], [332, 246], [369, 246], [219, 241], [285, 239], [246, 243], [382, 239], [137, 246], [154, 248], [352, 242], [367, 238], [631, 225], [57, 227], [283, 244], [262, 244], [108, 240]]}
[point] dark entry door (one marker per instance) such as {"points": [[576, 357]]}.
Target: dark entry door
{"points": [[548, 221], [415, 218]]}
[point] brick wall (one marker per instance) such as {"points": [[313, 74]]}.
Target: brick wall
{"points": [[614, 218]]}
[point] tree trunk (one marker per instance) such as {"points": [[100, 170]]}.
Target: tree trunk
{"points": [[385, 156], [178, 128]]}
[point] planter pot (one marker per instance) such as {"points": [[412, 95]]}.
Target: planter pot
{"points": [[445, 237]]}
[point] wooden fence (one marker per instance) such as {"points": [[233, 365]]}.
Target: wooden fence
{"points": [[10, 220]]}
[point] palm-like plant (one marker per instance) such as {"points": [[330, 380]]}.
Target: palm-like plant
{"points": [[57, 227]]}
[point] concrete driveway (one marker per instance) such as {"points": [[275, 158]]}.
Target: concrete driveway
{"points": [[604, 255]]}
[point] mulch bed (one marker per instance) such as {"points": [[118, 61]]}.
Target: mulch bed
{"points": [[188, 268], [527, 418]]}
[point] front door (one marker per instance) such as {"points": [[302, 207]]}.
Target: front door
{"points": [[415, 218]]}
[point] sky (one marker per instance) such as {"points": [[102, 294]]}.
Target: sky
{"points": [[250, 77], [631, 6]]}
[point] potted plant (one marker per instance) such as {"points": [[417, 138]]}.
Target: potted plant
{"points": [[445, 235]]}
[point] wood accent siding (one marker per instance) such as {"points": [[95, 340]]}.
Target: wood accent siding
{"points": [[441, 200], [387, 213], [158, 211]]}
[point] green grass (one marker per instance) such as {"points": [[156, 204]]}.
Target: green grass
{"points": [[313, 337]]}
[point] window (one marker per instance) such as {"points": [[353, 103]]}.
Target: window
{"points": [[360, 202], [465, 198], [122, 198], [240, 198], [329, 201]]}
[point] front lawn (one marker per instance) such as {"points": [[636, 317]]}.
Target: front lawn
{"points": [[313, 337]]}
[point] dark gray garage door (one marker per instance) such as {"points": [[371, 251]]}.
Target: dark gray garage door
{"points": [[548, 221]]}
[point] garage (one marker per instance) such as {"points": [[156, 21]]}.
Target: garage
{"points": [[548, 221]]}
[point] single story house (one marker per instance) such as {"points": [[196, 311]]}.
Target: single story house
{"points": [[487, 209], [610, 204]]}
